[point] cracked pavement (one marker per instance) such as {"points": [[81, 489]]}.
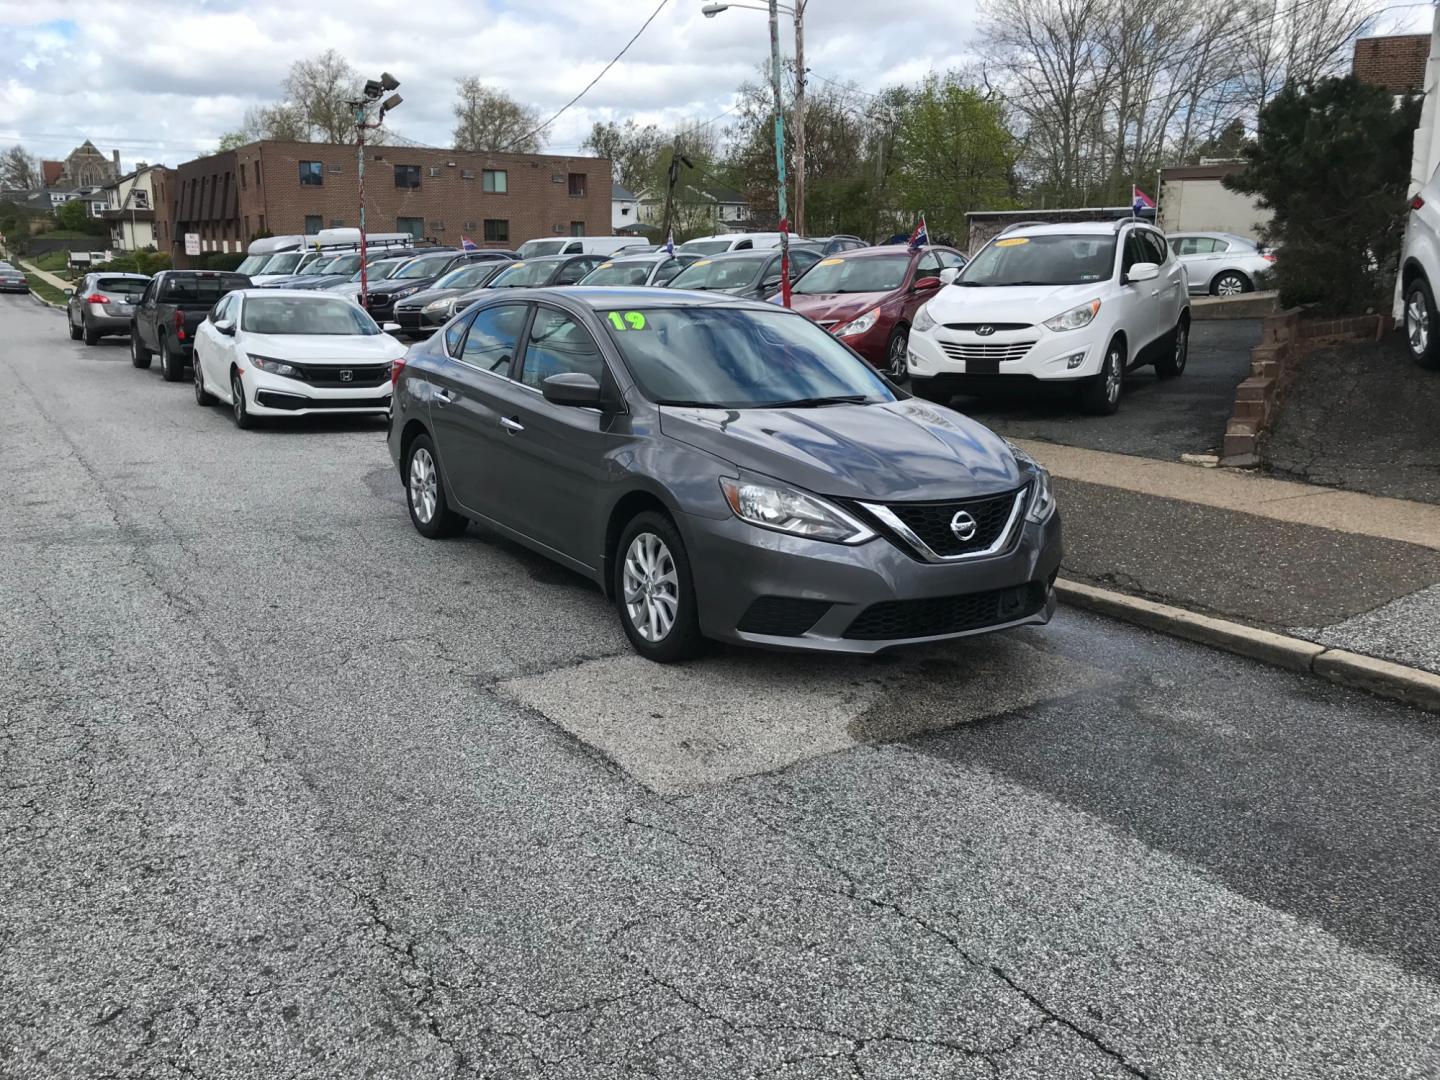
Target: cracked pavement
{"points": [[287, 791]]}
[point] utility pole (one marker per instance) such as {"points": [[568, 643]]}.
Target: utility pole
{"points": [[780, 153], [674, 175], [800, 116], [373, 89]]}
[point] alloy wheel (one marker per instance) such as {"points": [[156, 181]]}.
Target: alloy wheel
{"points": [[237, 392], [424, 485], [1229, 285], [1182, 347], [1417, 322], [651, 587], [1113, 376], [897, 366]]}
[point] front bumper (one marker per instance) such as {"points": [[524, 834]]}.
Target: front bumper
{"points": [[1030, 352], [864, 598], [276, 395]]}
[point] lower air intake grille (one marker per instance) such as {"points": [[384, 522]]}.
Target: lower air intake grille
{"points": [[896, 619], [782, 616]]}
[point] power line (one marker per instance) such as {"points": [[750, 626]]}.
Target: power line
{"points": [[597, 78]]}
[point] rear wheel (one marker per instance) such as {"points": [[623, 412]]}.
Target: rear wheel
{"points": [[430, 511], [1231, 283], [202, 396], [1421, 324], [91, 337], [1101, 393], [655, 591], [1172, 363], [139, 355], [170, 366], [74, 330]]}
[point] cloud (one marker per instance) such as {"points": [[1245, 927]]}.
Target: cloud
{"points": [[165, 89]]}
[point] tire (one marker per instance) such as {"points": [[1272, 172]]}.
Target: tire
{"points": [[90, 336], [1177, 352], [74, 330], [926, 390], [1101, 394], [895, 365], [239, 412], [203, 397], [139, 355], [170, 368], [1422, 328], [430, 511], [1231, 283], [651, 559]]}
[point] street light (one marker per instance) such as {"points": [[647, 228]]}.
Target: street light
{"points": [[797, 13], [371, 95]]}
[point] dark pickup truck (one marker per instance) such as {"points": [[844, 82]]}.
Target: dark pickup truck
{"points": [[170, 311]]}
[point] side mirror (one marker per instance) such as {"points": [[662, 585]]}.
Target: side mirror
{"points": [[925, 284], [771, 283], [1142, 271], [69, 292], [572, 388], [226, 328], [949, 274], [390, 327]]}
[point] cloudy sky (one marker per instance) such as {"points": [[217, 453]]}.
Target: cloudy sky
{"points": [[160, 81]]}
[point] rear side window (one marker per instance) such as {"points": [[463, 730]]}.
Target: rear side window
{"points": [[455, 335], [1159, 253], [493, 336], [130, 288]]}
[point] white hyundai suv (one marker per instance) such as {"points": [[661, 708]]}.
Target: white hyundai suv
{"points": [[1420, 276], [1074, 304]]}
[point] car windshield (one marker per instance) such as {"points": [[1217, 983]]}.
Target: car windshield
{"points": [[705, 247], [532, 249], [870, 273], [305, 315], [719, 273], [423, 267], [379, 271], [129, 288], [619, 273], [283, 264], [1042, 260], [467, 277], [320, 265], [252, 264], [519, 274], [343, 264], [731, 358]]}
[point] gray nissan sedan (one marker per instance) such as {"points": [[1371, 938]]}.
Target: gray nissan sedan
{"points": [[723, 469]]}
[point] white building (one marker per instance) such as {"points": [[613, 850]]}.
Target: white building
{"points": [[128, 206], [624, 208], [1194, 199]]}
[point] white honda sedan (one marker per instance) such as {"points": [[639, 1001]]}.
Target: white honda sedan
{"points": [[280, 352]]}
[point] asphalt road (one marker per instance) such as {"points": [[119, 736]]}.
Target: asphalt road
{"points": [[1159, 418], [290, 792]]}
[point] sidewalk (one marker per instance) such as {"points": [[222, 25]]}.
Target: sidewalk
{"points": [[44, 275], [1341, 568]]}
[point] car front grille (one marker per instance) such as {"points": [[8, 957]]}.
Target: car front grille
{"points": [[781, 616], [931, 522], [995, 327], [332, 375], [994, 352], [271, 399], [930, 617], [408, 317]]}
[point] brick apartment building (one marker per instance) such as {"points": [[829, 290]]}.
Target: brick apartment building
{"points": [[1395, 63], [496, 200]]}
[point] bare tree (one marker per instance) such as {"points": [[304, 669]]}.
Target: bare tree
{"points": [[1299, 40], [19, 169], [489, 119], [317, 88]]}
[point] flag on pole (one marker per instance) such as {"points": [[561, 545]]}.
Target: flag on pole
{"points": [[920, 237], [1141, 200], [670, 242], [466, 244]]}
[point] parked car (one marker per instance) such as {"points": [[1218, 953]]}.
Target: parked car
{"points": [[657, 268], [379, 270], [1419, 274], [1220, 264], [415, 276], [545, 271], [1069, 305], [12, 280], [751, 274], [798, 505], [577, 245], [420, 313], [833, 245], [723, 242], [268, 352], [172, 307], [102, 305], [868, 297]]}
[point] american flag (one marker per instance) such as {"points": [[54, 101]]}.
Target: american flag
{"points": [[1142, 201], [920, 237], [466, 244]]}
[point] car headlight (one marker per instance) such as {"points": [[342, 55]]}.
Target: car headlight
{"points": [[789, 511], [274, 367], [859, 325], [437, 306], [1042, 494], [923, 319], [1075, 318]]}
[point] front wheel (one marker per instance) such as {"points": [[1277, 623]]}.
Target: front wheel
{"points": [[895, 352], [1421, 324], [430, 511], [239, 410], [1177, 354], [171, 368], [655, 591], [1101, 394], [139, 355], [1231, 283]]}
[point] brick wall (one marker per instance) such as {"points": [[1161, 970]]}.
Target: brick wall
{"points": [[1396, 62]]}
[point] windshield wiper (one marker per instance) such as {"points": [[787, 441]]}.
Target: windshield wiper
{"points": [[687, 404], [834, 399]]}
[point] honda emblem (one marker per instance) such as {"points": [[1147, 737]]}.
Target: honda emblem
{"points": [[347, 376]]}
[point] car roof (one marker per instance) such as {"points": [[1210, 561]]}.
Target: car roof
{"points": [[737, 256], [313, 294], [113, 273], [884, 249], [606, 297], [1074, 228]]}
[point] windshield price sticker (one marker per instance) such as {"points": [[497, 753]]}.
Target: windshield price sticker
{"points": [[1013, 241], [831, 262], [628, 320]]}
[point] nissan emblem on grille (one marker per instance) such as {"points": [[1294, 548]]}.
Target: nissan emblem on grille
{"points": [[963, 526], [984, 331], [346, 376]]}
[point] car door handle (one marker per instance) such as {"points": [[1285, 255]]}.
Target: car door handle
{"points": [[445, 396], [510, 424]]}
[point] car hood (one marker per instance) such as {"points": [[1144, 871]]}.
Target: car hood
{"points": [[836, 307], [394, 285], [311, 348], [1027, 304], [901, 451], [429, 296]]}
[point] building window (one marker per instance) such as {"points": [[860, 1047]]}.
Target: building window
{"points": [[413, 225], [577, 228], [577, 184], [243, 184], [313, 224], [407, 176], [467, 174], [437, 226], [495, 180], [497, 230], [334, 170], [257, 174], [471, 226], [434, 170], [312, 173], [261, 222], [247, 225], [337, 223]]}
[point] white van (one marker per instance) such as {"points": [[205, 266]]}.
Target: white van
{"points": [[578, 245], [744, 241], [274, 257]]}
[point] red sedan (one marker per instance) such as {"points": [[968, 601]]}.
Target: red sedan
{"points": [[868, 297]]}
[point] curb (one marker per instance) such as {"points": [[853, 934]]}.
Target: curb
{"points": [[1396, 681]]}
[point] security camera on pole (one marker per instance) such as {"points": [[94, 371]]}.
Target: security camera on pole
{"points": [[373, 89]]}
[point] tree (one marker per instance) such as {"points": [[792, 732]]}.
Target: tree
{"points": [[1332, 164], [283, 122], [74, 216], [317, 89], [489, 119], [20, 170], [953, 154], [631, 149]]}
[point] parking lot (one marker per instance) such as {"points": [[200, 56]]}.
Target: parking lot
{"points": [[290, 791]]}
